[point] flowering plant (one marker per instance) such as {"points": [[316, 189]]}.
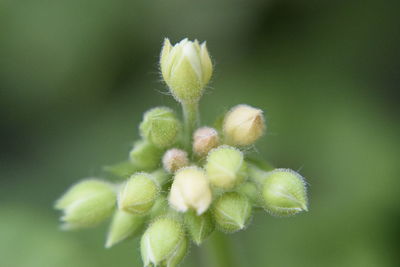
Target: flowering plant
{"points": [[182, 181]]}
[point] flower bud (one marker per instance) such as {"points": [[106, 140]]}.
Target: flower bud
{"points": [[123, 226], [232, 212], [225, 167], [284, 193], [186, 69], [204, 139], [164, 243], [252, 192], [86, 204], [145, 155], [199, 226], [138, 194], [243, 125], [174, 159], [190, 189], [160, 127]]}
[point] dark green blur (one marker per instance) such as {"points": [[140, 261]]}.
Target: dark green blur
{"points": [[76, 76]]}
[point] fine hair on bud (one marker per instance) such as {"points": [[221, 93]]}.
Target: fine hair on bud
{"points": [[284, 193], [186, 68], [205, 139], [138, 194], [232, 212], [160, 126], [174, 159], [200, 227], [164, 243], [86, 204], [190, 190], [225, 167], [123, 226], [145, 155], [243, 125]]}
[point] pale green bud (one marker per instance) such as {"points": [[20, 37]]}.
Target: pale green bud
{"points": [[145, 155], [186, 69], [284, 192], [205, 139], [174, 159], [225, 167], [86, 204], [164, 243], [138, 194], [243, 125], [160, 127], [232, 212], [190, 190], [199, 226], [252, 192], [124, 225]]}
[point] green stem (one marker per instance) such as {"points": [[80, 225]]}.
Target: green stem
{"points": [[220, 251], [191, 122]]}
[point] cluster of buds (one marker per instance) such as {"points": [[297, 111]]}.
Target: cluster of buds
{"points": [[173, 192]]}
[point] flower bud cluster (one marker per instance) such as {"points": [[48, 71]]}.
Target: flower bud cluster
{"points": [[184, 192]]}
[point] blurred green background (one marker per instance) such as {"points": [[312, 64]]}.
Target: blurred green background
{"points": [[76, 75]]}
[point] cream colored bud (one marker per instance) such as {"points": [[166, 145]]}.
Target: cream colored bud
{"points": [[243, 125], [138, 194], [225, 167], [174, 159], [186, 68], [190, 189], [205, 139], [284, 193]]}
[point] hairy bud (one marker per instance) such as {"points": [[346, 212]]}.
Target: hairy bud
{"points": [[232, 212], [138, 194], [243, 125], [225, 167], [284, 193], [145, 155], [164, 243], [123, 226], [86, 204], [186, 69], [190, 189], [199, 226], [204, 139], [160, 127], [174, 159]]}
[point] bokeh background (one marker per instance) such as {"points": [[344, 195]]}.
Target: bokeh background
{"points": [[76, 75]]}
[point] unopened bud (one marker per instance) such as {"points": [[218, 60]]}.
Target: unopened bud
{"points": [[164, 243], [186, 69], [252, 192], [243, 125], [199, 226], [145, 155], [225, 167], [174, 159], [138, 194], [124, 225], [232, 212], [204, 139], [190, 189], [160, 127], [86, 204], [284, 193]]}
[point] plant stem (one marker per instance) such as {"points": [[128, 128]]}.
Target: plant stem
{"points": [[191, 122], [220, 251]]}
